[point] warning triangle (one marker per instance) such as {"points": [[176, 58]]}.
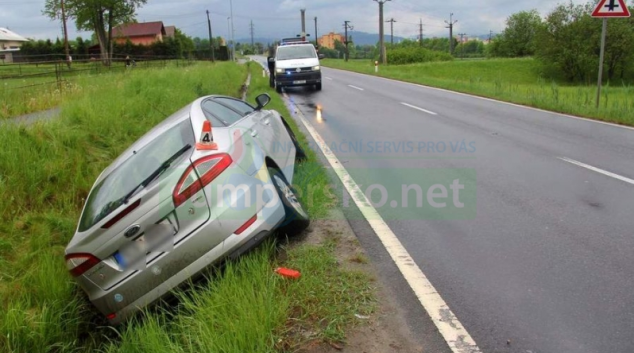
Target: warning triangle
{"points": [[611, 8]]}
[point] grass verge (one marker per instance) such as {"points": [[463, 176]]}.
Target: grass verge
{"points": [[47, 171], [512, 80], [35, 87]]}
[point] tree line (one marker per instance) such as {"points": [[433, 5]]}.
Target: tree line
{"points": [[566, 43]]}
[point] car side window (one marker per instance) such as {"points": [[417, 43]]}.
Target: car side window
{"points": [[215, 111], [243, 108]]}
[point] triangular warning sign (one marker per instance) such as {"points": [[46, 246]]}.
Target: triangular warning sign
{"points": [[611, 8]]}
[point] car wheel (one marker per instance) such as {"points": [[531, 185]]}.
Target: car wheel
{"points": [[296, 219], [300, 155], [278, 88], [318, 86]]}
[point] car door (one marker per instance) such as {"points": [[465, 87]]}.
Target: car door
{"points": [[261, 121]]}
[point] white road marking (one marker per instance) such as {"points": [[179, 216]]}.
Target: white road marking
{"points": [[355, 87], [419, 108], [492, 100], [595, 169], [456, 336], [328, 78]]}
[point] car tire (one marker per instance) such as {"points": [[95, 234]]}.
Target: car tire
{"points": [[278, 88], [296, 219], [300, 155], [318, 87]]}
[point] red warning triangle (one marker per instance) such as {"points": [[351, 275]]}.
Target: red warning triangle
{"points": [[611, 8]]}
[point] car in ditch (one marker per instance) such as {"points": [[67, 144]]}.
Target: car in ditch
{"points": [[206, 184]]}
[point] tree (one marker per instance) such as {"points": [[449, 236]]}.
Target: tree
{"points": [[569, 43], [100, 16], [518, 39]]}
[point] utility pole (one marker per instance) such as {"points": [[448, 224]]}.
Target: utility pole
{"points": [[346, 26], [251, 30], [391, 21], [451, 23], [420, 31], [316, 37], [382, 53], [303, 11], [66, 49], [490, 36], [462, 44], [233, 43], [211, 43]]}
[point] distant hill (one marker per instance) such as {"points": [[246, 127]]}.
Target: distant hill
{"points": [[359, 38]]}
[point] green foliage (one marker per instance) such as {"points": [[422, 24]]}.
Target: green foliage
{"points": [[410, 55], [100, 16], [519, 37], [570, 45]]}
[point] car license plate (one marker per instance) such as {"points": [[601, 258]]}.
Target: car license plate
{"points": [[299, 82]]}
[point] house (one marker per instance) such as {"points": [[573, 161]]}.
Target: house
{"points": [[146, 33], [328, 40], [170, 31], [10, 43]]}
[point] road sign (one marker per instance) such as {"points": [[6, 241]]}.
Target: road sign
{"points": [[611, 8]]}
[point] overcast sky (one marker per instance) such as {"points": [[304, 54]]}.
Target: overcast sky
{"points": [[281, 18]]}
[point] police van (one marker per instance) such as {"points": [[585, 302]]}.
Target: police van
{"points": [[296, 63]]}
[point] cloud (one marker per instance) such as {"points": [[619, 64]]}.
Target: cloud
{"points": [[281, 18]]}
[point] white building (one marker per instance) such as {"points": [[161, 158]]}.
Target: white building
{"points": [[10, 42]]}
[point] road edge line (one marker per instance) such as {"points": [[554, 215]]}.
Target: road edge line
{"points": [[453, 332], [517, 105]]}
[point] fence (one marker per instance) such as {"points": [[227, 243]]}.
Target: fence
{"points": [[55, 73]]}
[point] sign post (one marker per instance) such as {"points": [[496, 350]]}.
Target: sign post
{"points": [[606, 9]]}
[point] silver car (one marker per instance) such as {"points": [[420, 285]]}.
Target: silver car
{"points": [[181, 199]]}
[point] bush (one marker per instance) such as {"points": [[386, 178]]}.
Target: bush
{"points": [[402, 56]]}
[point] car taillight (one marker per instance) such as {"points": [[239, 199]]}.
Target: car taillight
{"points": [[208, 168], [78, 264]]}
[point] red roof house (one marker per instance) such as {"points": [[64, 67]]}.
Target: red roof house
{"points": [[139, 33]]}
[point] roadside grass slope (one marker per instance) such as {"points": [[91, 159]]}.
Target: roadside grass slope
{"points": [[29, 88], [46, 173], [513, 80]]}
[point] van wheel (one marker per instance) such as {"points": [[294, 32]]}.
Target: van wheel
{"points": [[318, 86], [296, 218]]}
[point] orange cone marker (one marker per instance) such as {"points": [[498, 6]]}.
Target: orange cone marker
{"points": [[206, 139], [288, 273]]}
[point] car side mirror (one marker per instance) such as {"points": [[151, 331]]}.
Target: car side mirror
{"points": [[322, 56], [262, 100]]}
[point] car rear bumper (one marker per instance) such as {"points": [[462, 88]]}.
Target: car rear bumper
{"points": [[146, 287]]}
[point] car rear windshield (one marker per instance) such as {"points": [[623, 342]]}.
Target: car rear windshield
{"points": [[296, 52], [108, 195]]}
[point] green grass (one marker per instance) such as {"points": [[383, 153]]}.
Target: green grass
{"points": [[33, 88], [46, 171], [513, 80]]}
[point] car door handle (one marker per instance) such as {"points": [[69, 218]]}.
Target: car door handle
{"points": [[266, 121], [254, 133]]}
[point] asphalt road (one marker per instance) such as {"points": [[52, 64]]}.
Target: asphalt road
{"points": [[542, 260]]}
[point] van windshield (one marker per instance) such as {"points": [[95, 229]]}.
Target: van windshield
{"points": [[292, 52]]}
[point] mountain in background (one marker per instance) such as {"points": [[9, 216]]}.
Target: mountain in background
{"points": [[359, 38]]}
